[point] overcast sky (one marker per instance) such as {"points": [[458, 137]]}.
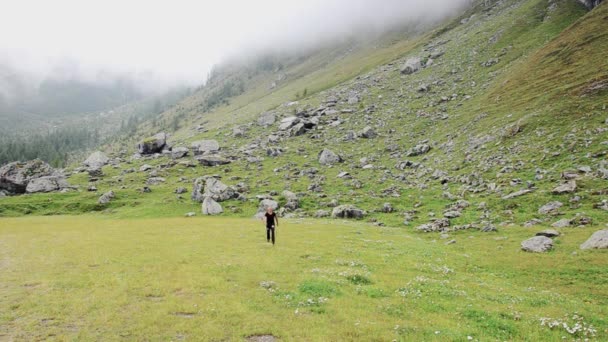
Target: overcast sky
{"points": [[181, 39]]}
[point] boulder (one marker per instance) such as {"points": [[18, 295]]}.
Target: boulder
{"points": [[152, 145], [46, 184], [288, 122], [14, 177], [266, 119], [439, 225], [106, 198], [328, 157], [321, 213], [211, 207], [212, 160], [537, 244], [155, 180], [418, 150], [516, 194], [145, 168], [368, 133], [96, 161], [297, 130], [563, 223], [550, 208], [347, 211], [205, 147], [179, 152], [268, 203], [213, 188], [565, 188], [292, 201], [599, 240], [411, 66]]}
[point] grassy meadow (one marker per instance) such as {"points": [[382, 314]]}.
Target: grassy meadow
{"points": [[68, 278]]}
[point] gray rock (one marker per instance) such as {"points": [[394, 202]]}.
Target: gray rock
{"points": [[550, 208], [96, 160], [179, 152], [411, 66], [155, 180], [218, 191], [418, 150], [567, 187], [321, 213], [548, 233], [106, 198], [599, 240], [46, 184], [292, 201], [14, 177], [288, 122], [440, 225], [266, 119], [537, 244], [205, 147], [212, 160], [297, 130], [451, 214], [517, 194], [190, 214], [347, 211], [211, 207], [563, 223], [145, 168], [180, 190], [387, 208], [328, 157], [152, 145], [368, 133]]}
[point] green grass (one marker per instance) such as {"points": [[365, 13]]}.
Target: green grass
{"points": [[94, 278]]}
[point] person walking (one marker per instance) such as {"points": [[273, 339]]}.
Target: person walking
{"points": [[272, 221]]}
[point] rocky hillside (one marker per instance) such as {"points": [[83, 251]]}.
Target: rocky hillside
{"points": [[496, 118]]}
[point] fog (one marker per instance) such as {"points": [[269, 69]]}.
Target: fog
{"points": [[172, 42]]}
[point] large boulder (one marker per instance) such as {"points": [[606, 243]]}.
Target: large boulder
{"points": [[328, 157], [288, 122], [347, 211], [152, 145], [205, 147], [179, 152], [292, 201], [213, 188], [411, 66], [212, 160], [96, 160], [266, 119], [565, 188], [550, 208], [368, 133], [14, 177], [211, 207], [599, 240], [537, 244], [46, 184]]}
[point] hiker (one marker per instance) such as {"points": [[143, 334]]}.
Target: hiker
{"points": [[271, 218]]}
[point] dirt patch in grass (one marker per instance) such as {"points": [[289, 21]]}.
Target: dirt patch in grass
{"points": [[261, 338]]}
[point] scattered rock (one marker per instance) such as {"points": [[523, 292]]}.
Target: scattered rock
{"points": [[46, 184], [567, 187], [212, 160], [516, 194], [563, 223], [106, 198], [14, 177], [439, 225], [95, 162], [418, 150], [179, 152], [266, 119], [205, 147], [211, 207], [411, 66], [321, 213], [347, 211], [155, 180], [551, 208], [599, 240], [328, 157], [153, 144], [537, 244], [190, 214], [145, 168], [368, 133]]}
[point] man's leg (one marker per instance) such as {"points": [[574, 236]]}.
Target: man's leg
{"points": [[268, 234], [273, 235]]}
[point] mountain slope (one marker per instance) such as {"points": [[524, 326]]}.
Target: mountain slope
{"points": [[472, 136]]}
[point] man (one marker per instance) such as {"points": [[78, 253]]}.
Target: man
{"points": [[271, 219]]}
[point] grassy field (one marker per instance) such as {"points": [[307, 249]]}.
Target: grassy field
{"points": [[171, 279]]}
